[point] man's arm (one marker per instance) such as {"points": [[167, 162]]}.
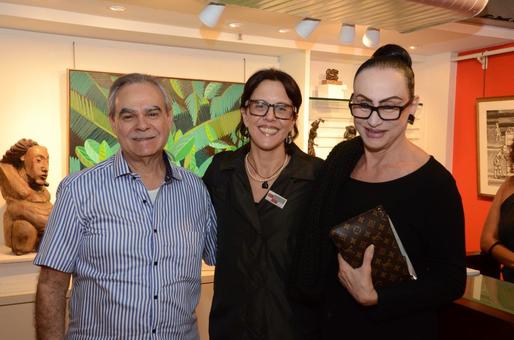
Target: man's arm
{"points": [[209, 252], [51, 303]]}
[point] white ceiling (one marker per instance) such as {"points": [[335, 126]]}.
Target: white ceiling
{"points": [[175, 23]]}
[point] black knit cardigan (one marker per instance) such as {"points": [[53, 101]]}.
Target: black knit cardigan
{"points": [[311, 263]]}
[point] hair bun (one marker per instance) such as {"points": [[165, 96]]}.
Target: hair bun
{"points": [[393, 51]]}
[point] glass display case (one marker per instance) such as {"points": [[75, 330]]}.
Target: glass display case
{"points": [[485, 311]]}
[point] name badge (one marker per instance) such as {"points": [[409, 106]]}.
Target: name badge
{"points": [[276, 199]]}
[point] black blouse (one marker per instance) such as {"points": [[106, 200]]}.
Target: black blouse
{"points": [[506, 232], [256, 244]]}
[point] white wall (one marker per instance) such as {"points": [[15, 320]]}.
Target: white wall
{"points": [[33, 84], [435, 85]]}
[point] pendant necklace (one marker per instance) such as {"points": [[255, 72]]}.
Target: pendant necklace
{"points": [[253, 173]]}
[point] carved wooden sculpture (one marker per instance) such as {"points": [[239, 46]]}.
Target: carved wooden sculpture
{"points": [[23, 173], [332, 74]]}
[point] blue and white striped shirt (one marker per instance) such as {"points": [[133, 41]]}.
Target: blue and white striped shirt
{"points": [[135, 265]]}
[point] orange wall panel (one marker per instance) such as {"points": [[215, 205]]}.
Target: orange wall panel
{"points": [[473, 82]]}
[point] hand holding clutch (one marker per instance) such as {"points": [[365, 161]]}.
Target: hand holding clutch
{"points": [[358, 281], [390, 263]]}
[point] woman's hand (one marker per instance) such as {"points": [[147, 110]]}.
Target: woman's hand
{"points": [[358, 281]]}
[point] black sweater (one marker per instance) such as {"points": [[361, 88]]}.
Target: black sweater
{"points": [[426, 210]]}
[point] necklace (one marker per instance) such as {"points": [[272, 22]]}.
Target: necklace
{"points": [[252, 172]]}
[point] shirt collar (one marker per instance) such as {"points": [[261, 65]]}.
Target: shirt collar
{"points": [[121, 167]]}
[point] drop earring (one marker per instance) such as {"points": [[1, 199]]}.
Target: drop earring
{"points": [[410, 119], [289, 139]]}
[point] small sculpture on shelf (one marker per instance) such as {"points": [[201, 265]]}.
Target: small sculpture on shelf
{"points": [[331, 86], [349, 132], [312, 136], [23, 173], [332, 74]]}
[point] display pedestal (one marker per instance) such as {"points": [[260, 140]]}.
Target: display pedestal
{"points": [[336, 91], [11, 264], [18, 280]]}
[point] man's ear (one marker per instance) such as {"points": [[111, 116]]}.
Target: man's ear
{"points": [[170, 118], [111, 121]]}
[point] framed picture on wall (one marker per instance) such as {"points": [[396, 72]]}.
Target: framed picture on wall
{"points": [[495, 131], [205, 117]]}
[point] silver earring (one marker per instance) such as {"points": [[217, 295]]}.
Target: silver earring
{"points": [[289, 139]]}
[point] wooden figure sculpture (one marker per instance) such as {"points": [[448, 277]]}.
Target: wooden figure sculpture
{"points": [[23, 173], [332, 74], [312, 136]]}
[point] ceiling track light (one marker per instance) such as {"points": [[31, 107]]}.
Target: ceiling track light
{"points": [[117, 8], [347, 33], [211, 14], [371, 37], [306, 27]]}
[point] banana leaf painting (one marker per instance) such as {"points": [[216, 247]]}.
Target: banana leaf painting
{"points": [[205, 115]]}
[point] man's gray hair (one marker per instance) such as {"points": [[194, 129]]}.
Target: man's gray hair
{"points": [[135, 78]]}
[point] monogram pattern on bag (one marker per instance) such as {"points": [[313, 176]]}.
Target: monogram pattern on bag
{"points": [[353, 236]]}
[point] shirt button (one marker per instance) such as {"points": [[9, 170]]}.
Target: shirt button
{"points": [[153, 331], [155, 263], [155, 297], [144, 201], [155, 230]]}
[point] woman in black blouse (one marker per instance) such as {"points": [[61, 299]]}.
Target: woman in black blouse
{"points": [[261, 193]]}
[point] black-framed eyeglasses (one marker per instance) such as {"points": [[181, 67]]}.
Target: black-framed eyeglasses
{"points": [[260, 108], [385, 112]]}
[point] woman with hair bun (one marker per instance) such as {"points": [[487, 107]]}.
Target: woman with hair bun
{"points": [[382, 167]]}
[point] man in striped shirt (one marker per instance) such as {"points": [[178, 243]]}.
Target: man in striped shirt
{"points": [[131, 232]]}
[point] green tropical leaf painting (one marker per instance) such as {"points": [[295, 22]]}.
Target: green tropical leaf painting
{"points": [[205, 116], [212, 90], [226, 101]]}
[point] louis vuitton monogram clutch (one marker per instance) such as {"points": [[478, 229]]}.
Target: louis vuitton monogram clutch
{"points": [[390, 262]]}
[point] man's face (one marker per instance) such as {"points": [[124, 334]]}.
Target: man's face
{"points": [[35, 162], [140, 121]]}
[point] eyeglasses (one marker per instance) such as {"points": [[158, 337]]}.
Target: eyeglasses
{"points": [[260, 108], [385, 112]]}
